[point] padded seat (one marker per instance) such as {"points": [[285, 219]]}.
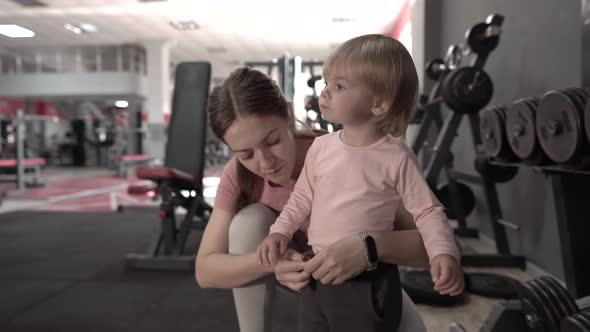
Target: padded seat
{"points": [[26, 162], [163, 173]]}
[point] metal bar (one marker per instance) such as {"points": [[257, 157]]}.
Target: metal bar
{"points": [[491, 196], [571, 193], [422, 133], [20, 147], [442, 148], [509, 224], [465, 177]]}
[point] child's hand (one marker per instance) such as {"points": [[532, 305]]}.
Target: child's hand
{"points": [[272, 248], [447, 275]]}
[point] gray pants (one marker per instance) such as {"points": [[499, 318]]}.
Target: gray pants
{"points": [[370, 302], [254, 301]]}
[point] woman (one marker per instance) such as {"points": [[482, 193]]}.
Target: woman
{"points": [[249, 113]]}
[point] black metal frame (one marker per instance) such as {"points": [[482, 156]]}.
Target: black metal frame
{"points": [[183, 173], [571, 190], [441, 160], [167, 249]]}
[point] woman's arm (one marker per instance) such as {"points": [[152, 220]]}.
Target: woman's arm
{"points": [[214, 267], [401, 247], [405, 236]]}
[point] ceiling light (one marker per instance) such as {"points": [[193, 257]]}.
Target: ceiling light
{"points": [[73, 28], [15, 31], [342, 19], [80, 28], [87, 27], [188, 25], [121, 103]]}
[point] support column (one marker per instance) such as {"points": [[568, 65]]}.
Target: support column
{"points": [[586, 43], [158, 102]]}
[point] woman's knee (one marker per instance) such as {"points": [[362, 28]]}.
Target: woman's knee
{"points": [[249, 227]]}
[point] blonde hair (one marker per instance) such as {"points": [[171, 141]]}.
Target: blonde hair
{"points": [[386, 66]]}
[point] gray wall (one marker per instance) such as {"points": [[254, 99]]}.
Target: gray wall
{"points": [[540, 49]]}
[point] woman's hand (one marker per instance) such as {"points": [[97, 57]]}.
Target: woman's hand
{"points": [[289, 271], [338, 262]]}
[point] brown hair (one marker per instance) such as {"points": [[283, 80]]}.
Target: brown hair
{"points": [[386, 66], [248, 92]]}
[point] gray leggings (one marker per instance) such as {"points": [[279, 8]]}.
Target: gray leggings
{"points": [[254, 301]]}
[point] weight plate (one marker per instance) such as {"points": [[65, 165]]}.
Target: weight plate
{"points": [[573, 324], [537, 317], [492, 129], [584, 316], [558, 127], [583, 158], [478, 41], [578, 97], [562, 308], [549, 304], [520, 129], [420, 288], [491, 285], [467, 90], [586, 116], [466, 200], [434, 68], [563, 295]]}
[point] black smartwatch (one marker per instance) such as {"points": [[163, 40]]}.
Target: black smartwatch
{"points": [[370, 249]]}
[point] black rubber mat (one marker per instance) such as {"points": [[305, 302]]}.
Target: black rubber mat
{"points": [[64, 272], [18, 296]]}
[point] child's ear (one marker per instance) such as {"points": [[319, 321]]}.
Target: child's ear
{"points": [[380, 106]]}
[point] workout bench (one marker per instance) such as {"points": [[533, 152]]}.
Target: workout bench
{"points": [[31, 171], [124, 162], [180, 181]]}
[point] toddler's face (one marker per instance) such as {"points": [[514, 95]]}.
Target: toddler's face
{"points": [[346, 99]]}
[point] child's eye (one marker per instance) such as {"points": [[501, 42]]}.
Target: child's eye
{"points": [[339, 87], [246, 156], [276, 141]]}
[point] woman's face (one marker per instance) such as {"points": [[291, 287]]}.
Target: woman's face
{"points": [[264, 145]]}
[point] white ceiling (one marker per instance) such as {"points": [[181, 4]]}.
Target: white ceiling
{"points": [[253, 30]]}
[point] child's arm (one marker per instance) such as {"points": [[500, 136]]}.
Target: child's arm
{"points": [[427, 211], [295, 212], [298, 207]]}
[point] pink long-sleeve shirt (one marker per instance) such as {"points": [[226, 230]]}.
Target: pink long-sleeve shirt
{"points": [[343, 190]]}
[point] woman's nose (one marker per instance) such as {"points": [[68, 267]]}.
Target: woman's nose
{"points": [[267, 160]]}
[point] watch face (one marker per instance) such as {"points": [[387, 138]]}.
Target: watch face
{"points": [[371, 249]]}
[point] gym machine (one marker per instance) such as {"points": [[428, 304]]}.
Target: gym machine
{"points": [[179, 181], [542, 305], [551, 135], [465, 91], [22, 170]]}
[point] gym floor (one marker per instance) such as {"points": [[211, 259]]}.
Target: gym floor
{"points": [[62, 269]]}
